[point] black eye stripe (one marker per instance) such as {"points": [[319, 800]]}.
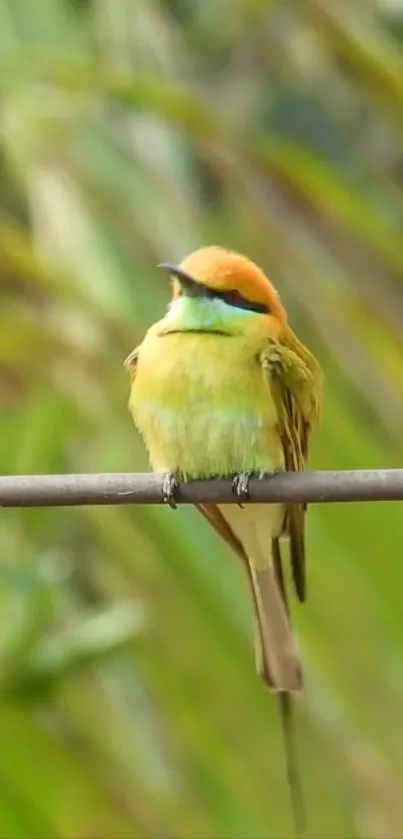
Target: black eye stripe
{"points": [[234, 298]]}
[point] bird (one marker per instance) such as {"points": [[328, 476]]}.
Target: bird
{"points": [[221, 386]]}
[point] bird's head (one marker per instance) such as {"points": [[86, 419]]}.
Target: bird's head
{"points": [[217, 284]]}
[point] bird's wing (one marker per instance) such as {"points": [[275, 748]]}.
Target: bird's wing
{"points": [[130, 363], [295, 380], [217, 520]]}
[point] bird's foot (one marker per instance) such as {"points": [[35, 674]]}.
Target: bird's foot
{"points": [[241, 481], [170, 486], [240, 486]]}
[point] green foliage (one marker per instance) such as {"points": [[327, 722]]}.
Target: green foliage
{"points": [[132, 133]]}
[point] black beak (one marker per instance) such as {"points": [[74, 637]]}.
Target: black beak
{"points": [[190, 287]]}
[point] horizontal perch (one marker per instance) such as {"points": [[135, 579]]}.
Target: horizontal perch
{"points": [[146, 488]]}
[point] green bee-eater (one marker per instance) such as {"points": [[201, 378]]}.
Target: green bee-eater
{"points": [[221, 386]]}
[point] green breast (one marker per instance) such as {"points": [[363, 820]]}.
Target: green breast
{"points": [[203, 406]]}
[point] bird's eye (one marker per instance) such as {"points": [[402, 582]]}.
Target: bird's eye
{"points": [[233, 298]]}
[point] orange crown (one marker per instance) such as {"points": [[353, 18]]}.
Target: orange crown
{"points": [[225, 270]]}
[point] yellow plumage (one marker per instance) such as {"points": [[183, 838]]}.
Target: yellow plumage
{"points": [[221, 385]]}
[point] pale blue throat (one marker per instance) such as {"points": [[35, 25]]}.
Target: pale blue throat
{"points": [[205, 314]]}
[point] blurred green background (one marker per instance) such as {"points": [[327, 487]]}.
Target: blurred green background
{"points": [[133, 131]]}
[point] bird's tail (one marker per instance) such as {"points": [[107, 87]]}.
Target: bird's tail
{"points": [[276, 656], [277, 661], [293, 776]]}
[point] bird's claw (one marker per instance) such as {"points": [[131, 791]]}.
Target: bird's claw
{"points": [[170, 486], [241, 481], [240, 486]]}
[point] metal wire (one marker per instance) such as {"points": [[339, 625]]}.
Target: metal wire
{"points": [[147, 488]]}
